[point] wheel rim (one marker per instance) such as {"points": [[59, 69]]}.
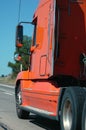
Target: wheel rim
{"points": [[67, 115], [19, 98]]}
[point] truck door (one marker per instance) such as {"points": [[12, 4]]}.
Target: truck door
{"points": [[42, 56]]}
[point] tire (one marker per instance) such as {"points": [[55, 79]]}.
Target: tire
{"points": [[84, 117], [22, 114], [71, 108]]}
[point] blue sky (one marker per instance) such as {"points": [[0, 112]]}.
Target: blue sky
{"points": [[8, 21]]}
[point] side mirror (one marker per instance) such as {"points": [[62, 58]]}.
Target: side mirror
{"points": [[17, 57], [19, 36]]}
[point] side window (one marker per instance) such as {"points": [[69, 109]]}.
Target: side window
{"points": [[34, 32]]}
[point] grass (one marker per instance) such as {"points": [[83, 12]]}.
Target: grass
{"points": [[7, 80]]}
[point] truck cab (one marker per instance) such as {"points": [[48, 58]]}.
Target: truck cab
{"points": [[56, 78]]}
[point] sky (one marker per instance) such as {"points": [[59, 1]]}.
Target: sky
{"points": [[9, 10]]}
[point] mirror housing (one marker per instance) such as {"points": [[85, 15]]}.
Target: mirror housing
{"points": [[19, 36]]}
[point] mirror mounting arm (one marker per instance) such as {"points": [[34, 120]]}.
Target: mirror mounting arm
{"points": [[22, 22]]}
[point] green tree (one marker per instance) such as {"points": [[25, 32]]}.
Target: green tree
{"points": [[24, 54]]}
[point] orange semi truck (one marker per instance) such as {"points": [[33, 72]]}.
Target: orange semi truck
{"points": [[54, 84]]}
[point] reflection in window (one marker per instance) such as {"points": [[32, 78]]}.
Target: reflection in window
{"points": [[76, 0]]}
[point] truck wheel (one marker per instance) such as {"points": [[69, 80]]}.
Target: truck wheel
{"points": [[84, 117], [22, 114], [71, 108]]}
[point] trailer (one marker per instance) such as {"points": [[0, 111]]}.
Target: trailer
{"points": [[54, 85]]}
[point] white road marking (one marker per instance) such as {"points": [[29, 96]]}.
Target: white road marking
{"points": [[5, 91], [9, 86], [8, 93], [11, 94]]}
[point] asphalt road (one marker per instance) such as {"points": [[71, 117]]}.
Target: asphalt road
{"points": [[9, 119]]}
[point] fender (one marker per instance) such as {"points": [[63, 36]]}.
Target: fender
{"points": [[25, 75]]}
